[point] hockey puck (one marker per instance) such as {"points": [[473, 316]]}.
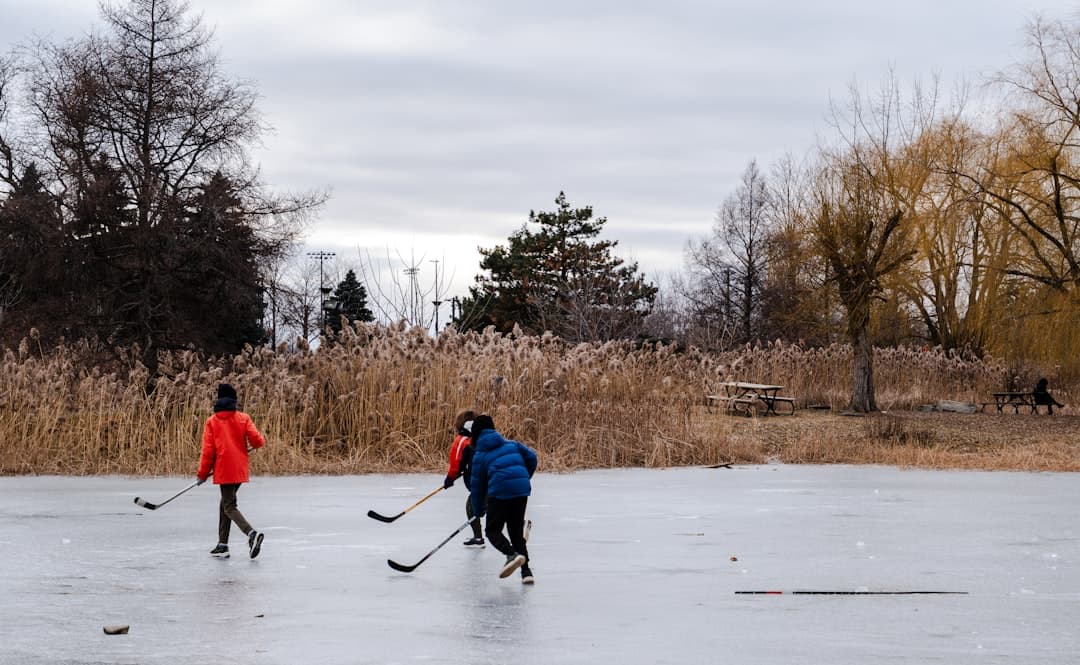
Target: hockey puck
{"points": [[116, 630]]}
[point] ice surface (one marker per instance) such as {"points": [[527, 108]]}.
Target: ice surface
{"points": [[632, 566]]}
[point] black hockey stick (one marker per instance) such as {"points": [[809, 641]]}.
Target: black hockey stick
{"points": [[383, 518], [408, 569], [154, 506]]}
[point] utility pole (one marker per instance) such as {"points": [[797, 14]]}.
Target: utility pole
{"points": [[323, 291], [436, 302], [413, 313]]}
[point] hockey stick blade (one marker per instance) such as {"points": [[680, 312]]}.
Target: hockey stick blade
{"points": [[402, 568], [382, 518], [145, 504]]}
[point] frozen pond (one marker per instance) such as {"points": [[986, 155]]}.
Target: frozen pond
{"points": [[632, 566]]}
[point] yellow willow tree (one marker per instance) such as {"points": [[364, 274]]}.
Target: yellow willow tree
{"points": [[962, 250], [1031, 182], [857, 221]]}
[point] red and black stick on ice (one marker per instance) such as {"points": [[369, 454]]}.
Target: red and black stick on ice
{"points": [[850, 593], [383, 518]]}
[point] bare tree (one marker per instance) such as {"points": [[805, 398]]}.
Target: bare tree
{"points": [[592, 308], [7, 152], [1033, 181], [412, 289], [173, 118], [726, 271], [278, 296], [301, 307], [857, 219], [794, 303], [707, 293], [744, 224]]}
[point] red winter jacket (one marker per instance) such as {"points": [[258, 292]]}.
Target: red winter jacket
{"points": [[456, 448], [225, 442]]}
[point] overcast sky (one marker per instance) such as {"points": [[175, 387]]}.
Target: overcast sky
{"points": [[438, 125]]}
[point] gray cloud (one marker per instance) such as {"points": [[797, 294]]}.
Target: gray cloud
{"points": [[439, 125]]}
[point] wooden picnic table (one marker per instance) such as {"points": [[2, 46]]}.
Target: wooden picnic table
{"points": [[742, 396], [1015, 400]]}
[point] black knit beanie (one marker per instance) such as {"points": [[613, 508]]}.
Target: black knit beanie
{"points": [[481, 423], [225, 390]]}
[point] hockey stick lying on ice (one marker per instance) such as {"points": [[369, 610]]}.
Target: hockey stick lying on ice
{"points": [[154, 506], [408, 569], [383, 518], [851, 593]]}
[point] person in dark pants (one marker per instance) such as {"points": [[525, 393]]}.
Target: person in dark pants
{"points": [[227, 436], [501, 484], [1043, 396], [461, 453]]}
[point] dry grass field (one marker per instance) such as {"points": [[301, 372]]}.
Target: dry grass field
{"points": [[381, 399], [987, 441]]}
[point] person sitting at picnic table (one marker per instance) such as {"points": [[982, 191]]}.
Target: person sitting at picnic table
{"points": [[1042, 396]]}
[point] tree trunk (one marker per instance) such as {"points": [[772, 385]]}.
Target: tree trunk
{"points": [[862, 371], [747, 306]]}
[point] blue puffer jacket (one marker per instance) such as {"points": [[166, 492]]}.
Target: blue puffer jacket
{"points": [[501, 469]]}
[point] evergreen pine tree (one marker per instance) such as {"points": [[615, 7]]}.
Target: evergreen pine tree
{"points": [[559, 278], [349, 301]]}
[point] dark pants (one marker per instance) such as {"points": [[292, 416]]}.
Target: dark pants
{"points": [[229, 513], [509, 513], [1048, 400], [476, 530]]}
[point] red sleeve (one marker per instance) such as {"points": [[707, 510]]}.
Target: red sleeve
{"points": [[206, 460], [460, 441], [254, 437]]}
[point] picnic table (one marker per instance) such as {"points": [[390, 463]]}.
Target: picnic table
{"points": [[1014, 400], [744, 397]]}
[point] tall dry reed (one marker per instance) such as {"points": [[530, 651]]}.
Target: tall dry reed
{"points": [[381, 399]]}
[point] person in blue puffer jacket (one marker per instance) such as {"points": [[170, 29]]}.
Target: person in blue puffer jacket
{"points": [[500, 486]]}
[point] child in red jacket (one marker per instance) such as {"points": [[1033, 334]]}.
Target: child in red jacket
{"points": [[227, 436], [461, 452]]}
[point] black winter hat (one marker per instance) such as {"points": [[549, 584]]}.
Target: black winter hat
{"points": [[481, 423], [225, 390]]}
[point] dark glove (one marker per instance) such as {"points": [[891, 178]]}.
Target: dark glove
{"points": [[200, 481], [448, 483]]}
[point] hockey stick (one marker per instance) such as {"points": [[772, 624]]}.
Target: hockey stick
{"points": [[383, 518], [850, 593], [154, 506], [408, 569]]}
